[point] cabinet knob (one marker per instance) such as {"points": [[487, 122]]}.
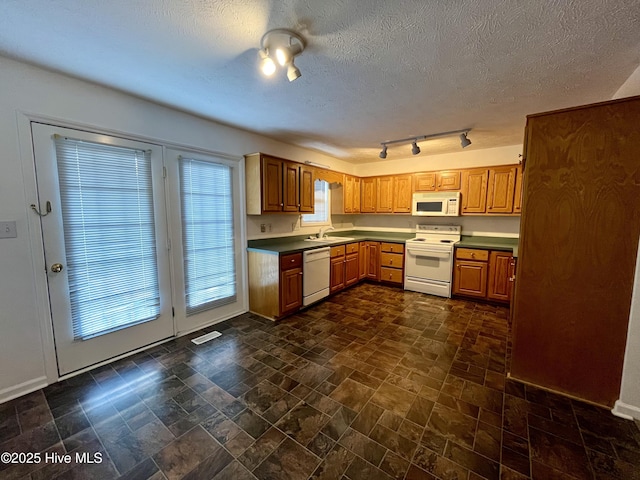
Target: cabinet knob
{"points": [[293, 260], [300, 273], [282, 204], [473, 255], [390, 262]]}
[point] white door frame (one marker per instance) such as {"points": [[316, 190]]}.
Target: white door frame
{"points": [[23, 121]]}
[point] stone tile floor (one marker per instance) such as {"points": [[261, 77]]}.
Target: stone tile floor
{"points": [[373, 383]]}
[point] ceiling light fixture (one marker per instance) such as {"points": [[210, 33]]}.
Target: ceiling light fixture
{"points": [[415, 149], [285, 45], [464, 141]]}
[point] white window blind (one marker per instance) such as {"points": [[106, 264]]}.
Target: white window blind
{"points": [[109, 232], [320, 215], [207, 234]]}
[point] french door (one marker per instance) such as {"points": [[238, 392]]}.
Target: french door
{"points": [[105, 242]]}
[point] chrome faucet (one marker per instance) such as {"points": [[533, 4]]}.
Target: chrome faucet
{"points": [[323, 231]]}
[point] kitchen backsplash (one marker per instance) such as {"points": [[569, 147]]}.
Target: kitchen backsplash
{"points": [[279, 225]]}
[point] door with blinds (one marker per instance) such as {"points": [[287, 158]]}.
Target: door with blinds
{"points": [[106, 243], [206, 251]]}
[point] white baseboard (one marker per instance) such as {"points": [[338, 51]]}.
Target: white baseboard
{"points": [[624, 410], [16, 391]]}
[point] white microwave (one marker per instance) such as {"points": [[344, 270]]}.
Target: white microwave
{"points": [[436, 204]]}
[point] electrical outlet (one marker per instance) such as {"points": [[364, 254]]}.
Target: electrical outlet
{"points": [[263, 227], [8, 230]]}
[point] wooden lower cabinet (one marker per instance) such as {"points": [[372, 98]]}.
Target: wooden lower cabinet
{"points": [[499, 283], [336, 276], [351, 269], [372, 261], [345, 266], [392, 263], [290, 290], [484, 274], [275, 284], [362, 263], [470, 278]]}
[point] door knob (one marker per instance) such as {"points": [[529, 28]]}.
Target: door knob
{"points": [[56, 267]]}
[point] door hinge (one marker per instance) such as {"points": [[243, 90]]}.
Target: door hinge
{"points": [[173, 312], [164, 172], [168, 244]]}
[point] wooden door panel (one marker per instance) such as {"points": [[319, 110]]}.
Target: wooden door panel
{"points": [[501, 190], [402, 194], [384, 198], [474, 190], [448, 181], [290, 290], [470, 278], [425, 182], [578, 246], [352, 273], [337, 274], [271, 185], [291, 200], [368, 195], [499, 286]]}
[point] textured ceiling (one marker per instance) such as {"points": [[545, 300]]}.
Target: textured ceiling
{"points": [[372, 71]]}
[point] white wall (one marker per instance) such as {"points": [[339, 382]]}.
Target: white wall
{"points": [[24, 329], [631, 87]]}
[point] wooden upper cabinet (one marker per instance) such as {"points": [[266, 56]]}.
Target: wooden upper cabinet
{"points": [[402, 194], [272, 169], [347, 193], [356, 195], [474, 190], [307, 189], [277, 185], [517, 197], [436, 181], [448, 181], [368, 195], [424, 182], [384, 192], [501, 187], [351, 194], [291, 192]]}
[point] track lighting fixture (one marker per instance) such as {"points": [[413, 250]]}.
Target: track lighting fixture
{"points": [[283, 45], [464, 141], [415, 149]]}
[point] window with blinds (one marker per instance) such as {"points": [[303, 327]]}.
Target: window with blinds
{"points": [[320, 216], [207, 234], [109, 233]]}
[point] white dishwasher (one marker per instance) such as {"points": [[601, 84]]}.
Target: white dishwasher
{"points": [[315, 279]]}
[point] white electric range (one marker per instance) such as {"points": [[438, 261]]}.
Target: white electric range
{"points": [[429, 259]]}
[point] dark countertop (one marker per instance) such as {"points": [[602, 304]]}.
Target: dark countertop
{"points": [[297, 244], [283, 245], [489, 243]]}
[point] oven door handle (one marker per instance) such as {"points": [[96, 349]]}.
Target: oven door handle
{"points": [[423, 252]]}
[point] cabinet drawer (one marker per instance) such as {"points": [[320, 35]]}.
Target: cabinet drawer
{"points": [[352, 247], [472, 254], [393, 275], [392, 247], [337, 251], [293, 260], [393, 260]]}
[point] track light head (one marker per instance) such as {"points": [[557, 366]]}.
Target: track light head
{"points": [[383, 152], [415, 149], [464, 141], [293, 73], [267, 66]]}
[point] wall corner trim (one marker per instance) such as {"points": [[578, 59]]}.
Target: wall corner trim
{"points": [[626, 411]]}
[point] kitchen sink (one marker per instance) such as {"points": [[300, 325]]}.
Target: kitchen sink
{"points": [[329, 239]]}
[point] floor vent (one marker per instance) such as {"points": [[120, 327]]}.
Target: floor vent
{"points": [[206, 337]]}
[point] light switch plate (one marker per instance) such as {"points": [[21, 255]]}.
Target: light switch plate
{"points": [[8, 230]]}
